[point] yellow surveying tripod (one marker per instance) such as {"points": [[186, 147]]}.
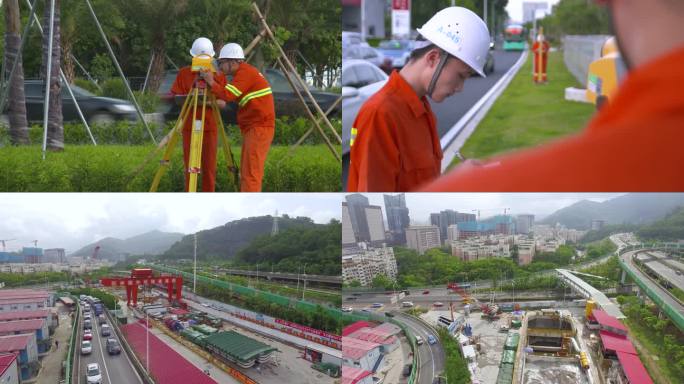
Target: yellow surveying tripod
{"points": [[197, 133]]}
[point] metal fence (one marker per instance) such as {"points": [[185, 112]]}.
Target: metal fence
{"points": [[70, 353], [579, 51], [302, 305]]}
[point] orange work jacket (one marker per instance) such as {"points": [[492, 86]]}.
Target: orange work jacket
{"points": [[394, 143], [253, 94], [634, 144]]}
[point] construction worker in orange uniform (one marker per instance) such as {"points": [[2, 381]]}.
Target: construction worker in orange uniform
{"points": [[256, 112], [541, 55], [185, 81], [394, 141], [634, 143]]}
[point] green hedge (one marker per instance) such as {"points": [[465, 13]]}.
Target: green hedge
{"points": [[108, 169], [287, 132]]}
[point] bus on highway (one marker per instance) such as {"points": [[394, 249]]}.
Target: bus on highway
{"points": [[514, 38]]}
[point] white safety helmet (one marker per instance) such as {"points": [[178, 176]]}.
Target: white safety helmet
{"points": [[202, 46], [232, 51], [461, 33]]}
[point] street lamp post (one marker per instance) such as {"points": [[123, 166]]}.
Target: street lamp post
{"points": [[147, 342], [304, 288]]}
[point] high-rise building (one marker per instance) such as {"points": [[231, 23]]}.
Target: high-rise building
{"points": [[422, 238], [397, 217], [363, 265], [376, 227], [452, 233], [449, 217], [524, 223], [525, 251], [597, 224], [356, 203], [495, 225], [348, 238], [54, 255], [366, 221]]}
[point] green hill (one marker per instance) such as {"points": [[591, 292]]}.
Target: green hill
{"points": [[222, 243], [319, 248], [670, 228]]}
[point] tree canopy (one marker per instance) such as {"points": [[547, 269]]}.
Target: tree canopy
{"points": [[162, 31]]}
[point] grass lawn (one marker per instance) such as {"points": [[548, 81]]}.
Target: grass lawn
{"points": [[527, 114], [110, 168]]}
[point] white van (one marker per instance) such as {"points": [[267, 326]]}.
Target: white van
{"points": [[419, 340]]}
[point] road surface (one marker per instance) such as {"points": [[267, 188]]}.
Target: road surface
{"points": [[115, 369]]}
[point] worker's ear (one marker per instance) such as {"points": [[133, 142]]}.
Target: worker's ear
{"points": [[432, 57]]}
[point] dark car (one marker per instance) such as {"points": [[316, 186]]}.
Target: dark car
{"points": [[285, 99], [113, 347], [407, 370], [95, 109]]}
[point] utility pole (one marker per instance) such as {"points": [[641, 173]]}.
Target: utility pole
{"points": [[304, 290], [194, 275], [362, 27]]}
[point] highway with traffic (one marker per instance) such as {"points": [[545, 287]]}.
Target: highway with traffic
{"points": [[431, 357], [114, 369]]}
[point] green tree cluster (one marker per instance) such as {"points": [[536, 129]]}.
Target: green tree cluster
{"points": [[600, 249], [660, 330], [437, 267], [161, 32], [670, 228], [606, 231], [456, 369], [319, 319], [575, 17], [21, 279], [318, 247]]}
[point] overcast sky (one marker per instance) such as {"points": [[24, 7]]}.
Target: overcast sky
{"points": [[515, 8], [72, 220], [420, 205]]}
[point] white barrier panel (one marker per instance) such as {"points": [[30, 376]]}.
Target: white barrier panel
{"points": [[579, 51]]}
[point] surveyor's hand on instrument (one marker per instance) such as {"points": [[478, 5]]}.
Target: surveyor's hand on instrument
{"points": [[207, 76], [221, 104]]}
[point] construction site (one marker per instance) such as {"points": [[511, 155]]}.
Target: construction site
{"points": [[532, 342], [170, 328]]}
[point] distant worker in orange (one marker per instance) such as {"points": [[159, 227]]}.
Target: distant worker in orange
{"points": [[185, 81], [541, 55], [394, 141], [634, 143], [256, 112]]}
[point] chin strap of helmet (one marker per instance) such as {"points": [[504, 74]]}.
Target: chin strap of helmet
{"points": [[443, 57]]}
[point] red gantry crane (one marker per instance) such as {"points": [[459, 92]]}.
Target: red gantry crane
{"points": [[145, 276]]}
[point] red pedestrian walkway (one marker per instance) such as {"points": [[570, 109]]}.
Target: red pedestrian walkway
{"points": [[167, 366]]}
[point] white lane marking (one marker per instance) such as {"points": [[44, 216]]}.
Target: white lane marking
{"points": [[418, 328], [102, 355]]}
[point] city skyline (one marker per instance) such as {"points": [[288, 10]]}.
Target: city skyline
{"points": [[541, 205]]}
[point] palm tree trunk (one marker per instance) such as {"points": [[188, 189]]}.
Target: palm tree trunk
{"points": [[158, 65], [55, 137], [16, 106]]}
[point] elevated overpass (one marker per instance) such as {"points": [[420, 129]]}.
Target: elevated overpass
{"points": [[589, 292], [667, 302]]}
